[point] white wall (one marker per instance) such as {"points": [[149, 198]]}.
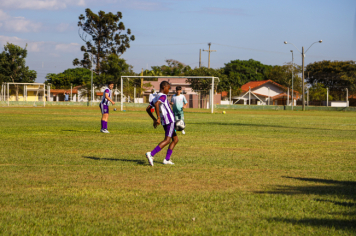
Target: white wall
{"points": [[339, 104], [274, 89]]}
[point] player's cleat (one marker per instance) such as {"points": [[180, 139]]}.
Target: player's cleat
{"points": [[183, 132], [168, 162], [104, 131], [149, 158]]}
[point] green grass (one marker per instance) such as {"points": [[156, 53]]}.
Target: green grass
{"points": [[243, 173]]}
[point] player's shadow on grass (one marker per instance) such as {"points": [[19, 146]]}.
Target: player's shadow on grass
{"points": [[139, 162], [343, 190]]}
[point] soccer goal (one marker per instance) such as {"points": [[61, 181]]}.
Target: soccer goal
{"points": [[22, 94], [203, 98]]}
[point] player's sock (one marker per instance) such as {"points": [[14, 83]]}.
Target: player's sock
{"points": [[106, 125], [155, 151], [169, 153], [102, 124]]}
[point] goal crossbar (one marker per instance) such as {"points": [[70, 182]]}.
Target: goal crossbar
{"points": [[175, 77]]}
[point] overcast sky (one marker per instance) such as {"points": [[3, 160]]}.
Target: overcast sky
{"points": [[177, 29]]}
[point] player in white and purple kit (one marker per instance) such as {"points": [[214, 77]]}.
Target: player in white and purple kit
{"points": [[165, 117], [104, 107]]}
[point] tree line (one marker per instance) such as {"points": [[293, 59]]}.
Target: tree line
{"points": [[106, 39]]}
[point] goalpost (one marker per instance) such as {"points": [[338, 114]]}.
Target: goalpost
{"points": [[24, 92], [173, 77]]}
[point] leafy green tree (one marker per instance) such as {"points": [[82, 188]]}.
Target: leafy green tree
{"points": [[173, 68], [153, 72], [335, 75], [318, 92], [107, 37], [283, 76], [205, 84], [241, 72], [13, 66], [112, 68], [77, 76]]}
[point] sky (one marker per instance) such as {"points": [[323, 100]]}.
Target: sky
{"points": [[178, 29]]}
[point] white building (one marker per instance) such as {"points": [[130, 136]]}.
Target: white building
{"points": [[265, 92]]}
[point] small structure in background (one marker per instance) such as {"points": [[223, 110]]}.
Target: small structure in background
{"points": [[30, 92], [57, 95], [352, 100], [265, 92], [196, 99]]}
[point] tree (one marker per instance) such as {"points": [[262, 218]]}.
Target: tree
{"points": [[75, 77], [112, 68], [318, 92], [241, 72], [13, 66], [335, 75], [107, 37], [173, 68], [283, 76], [205, 84]]}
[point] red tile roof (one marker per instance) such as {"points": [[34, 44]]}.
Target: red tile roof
{"points": [[62, 91], [224, 94], [255, 84], [281, 96]]}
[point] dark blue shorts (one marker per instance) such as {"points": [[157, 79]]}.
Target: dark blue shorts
{"points": [[169, 130], [104, 108]]}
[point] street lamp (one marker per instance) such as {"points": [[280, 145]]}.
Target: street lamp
{"points": [[292, 78], [303, 55]]}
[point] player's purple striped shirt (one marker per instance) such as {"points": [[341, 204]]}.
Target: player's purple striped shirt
{"points": [[104, 100], [165, 110]]}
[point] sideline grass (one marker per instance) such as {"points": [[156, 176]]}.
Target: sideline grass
{"points": [[243, 173]]}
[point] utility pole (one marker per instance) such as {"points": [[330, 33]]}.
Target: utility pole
{"points": [[292, 79], [91, 80], [347, 97], [209, 53], [303, 100], [142, 81], [303, 55], [199, 58]]}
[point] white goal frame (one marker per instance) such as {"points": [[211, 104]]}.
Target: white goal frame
{"points": [[6, 91], [173, 77]]}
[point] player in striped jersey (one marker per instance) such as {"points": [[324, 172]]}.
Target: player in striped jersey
{"points": [[165, 117], [104, 107]]}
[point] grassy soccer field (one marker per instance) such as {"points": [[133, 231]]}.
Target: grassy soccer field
{"points": [[243, 173]]}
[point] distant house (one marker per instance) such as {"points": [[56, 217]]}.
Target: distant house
{"points": [[265, 92], [57, 95], [27, 92], [196, 99]]}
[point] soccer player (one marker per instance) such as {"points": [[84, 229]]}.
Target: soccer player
{"points": [[179, 103], [151, 97], [104, 107], [165, 117]]}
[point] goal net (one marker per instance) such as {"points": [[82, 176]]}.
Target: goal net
{"points": [[202, 98], [23, 94]]}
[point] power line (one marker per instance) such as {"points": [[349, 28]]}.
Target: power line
{"points": [[251, 49], [157, 45]]}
